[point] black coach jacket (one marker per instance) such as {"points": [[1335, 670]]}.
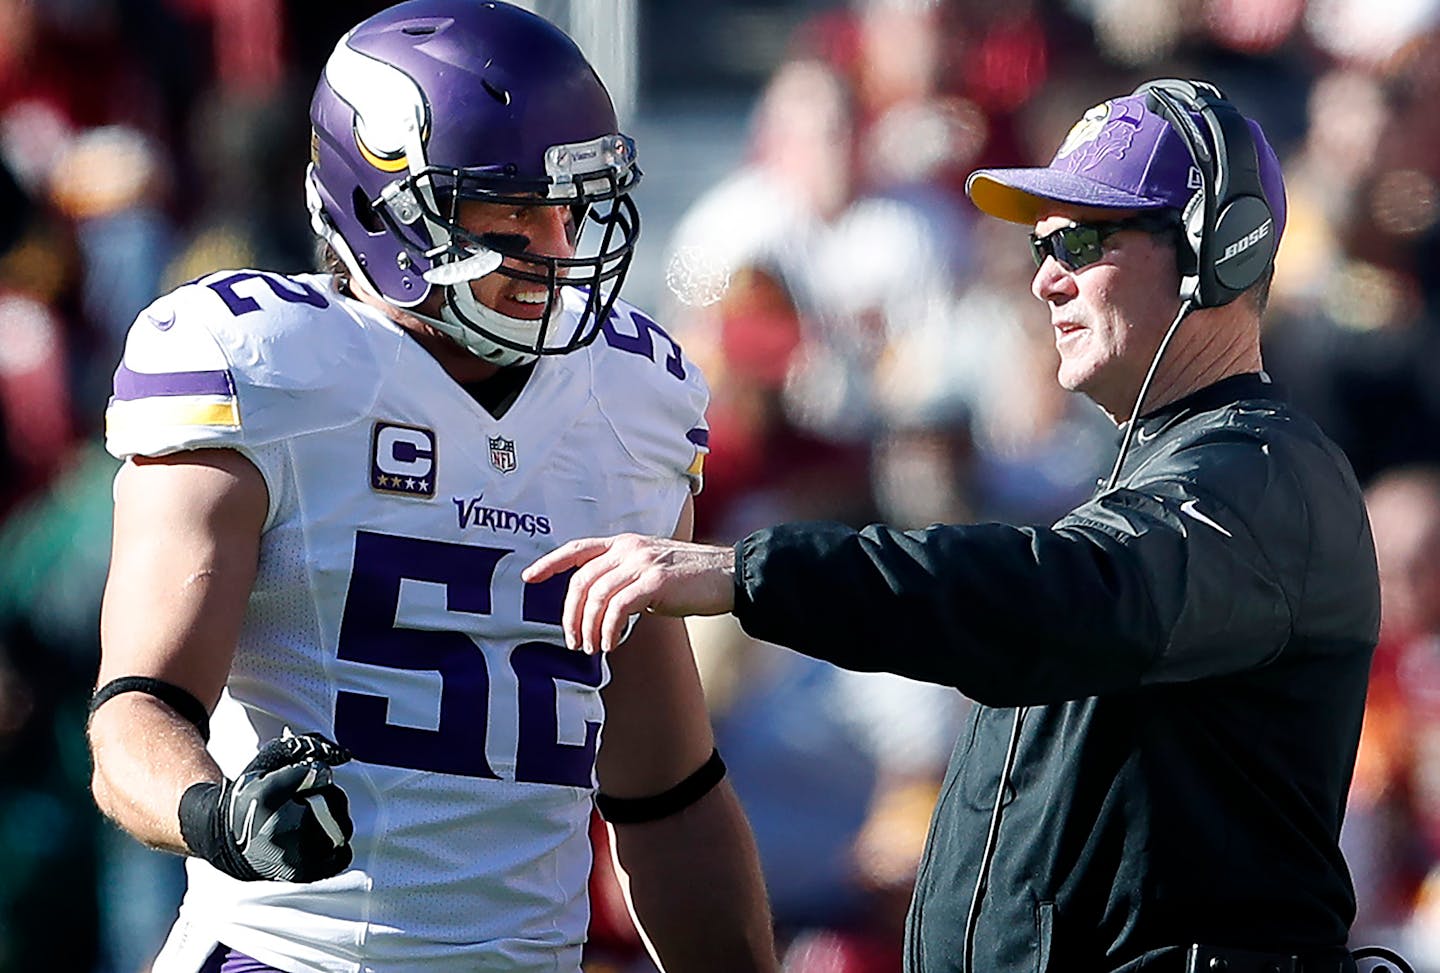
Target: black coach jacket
{"points": [[1189, 653]]}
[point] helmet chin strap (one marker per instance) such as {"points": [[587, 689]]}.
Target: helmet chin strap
{"points": [[450, 325], [461, 310]]}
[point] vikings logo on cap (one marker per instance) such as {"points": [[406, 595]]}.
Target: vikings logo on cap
{"points": [[1105, 131], [394, 122]]}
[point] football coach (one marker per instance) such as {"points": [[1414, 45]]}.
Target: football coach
{"points": [[1171, 677]]}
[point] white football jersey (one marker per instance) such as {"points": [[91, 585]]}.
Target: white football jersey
{"points": [[389, 614]]}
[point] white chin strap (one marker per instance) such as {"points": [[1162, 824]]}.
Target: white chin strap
{"points": [[475, 342], [523, 331]]}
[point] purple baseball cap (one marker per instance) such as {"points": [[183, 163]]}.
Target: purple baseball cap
{"points": [[1120, 155]]}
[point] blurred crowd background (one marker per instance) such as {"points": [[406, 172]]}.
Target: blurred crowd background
{"points": [[872, 347]]}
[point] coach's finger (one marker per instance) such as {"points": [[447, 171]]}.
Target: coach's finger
{"points": [[629, 601], [568, 555], [597, 600], [578, 593]]}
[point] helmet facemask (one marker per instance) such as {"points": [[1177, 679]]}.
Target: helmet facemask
{"points": [[432, 199]]}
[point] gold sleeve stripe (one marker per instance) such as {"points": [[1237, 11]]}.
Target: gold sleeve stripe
{"points": [[123, 417]]}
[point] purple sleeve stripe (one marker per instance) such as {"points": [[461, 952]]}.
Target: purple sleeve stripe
{"points": [[700, 437], [142, 385]]}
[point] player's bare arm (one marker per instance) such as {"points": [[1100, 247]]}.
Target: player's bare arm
{"points": [[617, 577], [185, 549], [694, 880], [184, 552]]}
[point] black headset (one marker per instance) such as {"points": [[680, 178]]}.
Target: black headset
{"points": [[1228, 224]]}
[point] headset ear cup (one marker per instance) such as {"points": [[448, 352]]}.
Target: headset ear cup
{"points": [[1244, 245], [1235, 246]]}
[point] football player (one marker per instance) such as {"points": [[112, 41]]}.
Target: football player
{"points": [[331, 483]]}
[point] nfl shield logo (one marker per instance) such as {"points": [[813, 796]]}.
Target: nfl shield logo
{"points": [[502, 454]]}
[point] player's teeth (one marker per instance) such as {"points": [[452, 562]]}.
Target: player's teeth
{"points": [[538, 297]]}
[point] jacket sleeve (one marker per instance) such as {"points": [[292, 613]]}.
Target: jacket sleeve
{"points": [[1159, 582]]}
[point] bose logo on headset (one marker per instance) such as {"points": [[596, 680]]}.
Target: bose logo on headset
{"points": [[1246, 242], [1228, 222]]}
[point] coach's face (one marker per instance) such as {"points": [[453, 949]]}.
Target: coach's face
{"points": [[1109, 316]]}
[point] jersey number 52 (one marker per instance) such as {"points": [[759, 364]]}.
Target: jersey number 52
{"points": [[369, 634]]}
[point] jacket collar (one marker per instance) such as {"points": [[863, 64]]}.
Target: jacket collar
{"points": [[1236, 388]]}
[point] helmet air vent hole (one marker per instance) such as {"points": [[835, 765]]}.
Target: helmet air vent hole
{"points": [[365, 213], [418, 30], [499, 94]]}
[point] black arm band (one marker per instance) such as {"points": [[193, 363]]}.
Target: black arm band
{"points": [[636, 810], [180, 700]]}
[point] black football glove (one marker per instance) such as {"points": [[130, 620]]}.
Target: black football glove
{"points": [[284, 818]]}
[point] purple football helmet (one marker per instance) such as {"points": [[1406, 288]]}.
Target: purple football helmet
{"points": [[433, 102]]}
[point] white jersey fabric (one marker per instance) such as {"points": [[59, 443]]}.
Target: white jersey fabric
{"points": [[389, 615]]}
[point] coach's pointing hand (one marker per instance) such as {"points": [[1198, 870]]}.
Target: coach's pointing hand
{"points": [[617, 577]]}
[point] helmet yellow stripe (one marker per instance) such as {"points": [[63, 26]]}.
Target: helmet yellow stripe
{"points": [[384, 165]]}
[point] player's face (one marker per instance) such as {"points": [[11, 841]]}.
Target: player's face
{"points": [[1108, 316], [544, 230]]}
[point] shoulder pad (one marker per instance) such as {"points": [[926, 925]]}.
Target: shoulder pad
{"points": [[654, 396], [238, 359]]}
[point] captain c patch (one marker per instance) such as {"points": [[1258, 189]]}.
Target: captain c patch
{"points": [[402, 460]]}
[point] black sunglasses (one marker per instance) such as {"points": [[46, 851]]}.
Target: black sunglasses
{"points": [[1079, 244]]}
